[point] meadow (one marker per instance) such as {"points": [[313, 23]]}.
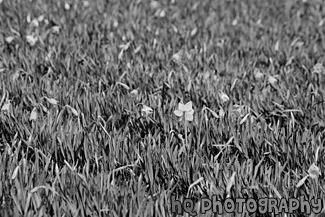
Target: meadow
{"points": [[110, 108]]}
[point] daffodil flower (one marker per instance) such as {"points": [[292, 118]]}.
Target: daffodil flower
{"points": [[224, 98], [134, 92], [238, 110], [258, 74], [314, 171], [318, 69], [185, 111], [31, 40], [272, 80], [146, 110]]}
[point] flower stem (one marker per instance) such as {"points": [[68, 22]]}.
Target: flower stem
{"points": [[185, 126]]}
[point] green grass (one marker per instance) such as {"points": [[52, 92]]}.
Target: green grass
{"points": [[106, 159]]}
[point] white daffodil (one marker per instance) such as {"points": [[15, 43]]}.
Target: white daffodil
{"points": [[224, 97], [146, 110], [185, 111], [314, 171], [31, 40]]}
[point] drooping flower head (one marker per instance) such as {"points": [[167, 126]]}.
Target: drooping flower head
{"points": [[223, 97]]}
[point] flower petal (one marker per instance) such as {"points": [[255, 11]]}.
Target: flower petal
{"points": [[272, 80], [146, 110], [179, 113], [188, 117], [181, 107], [191, 112], [188, 106]]}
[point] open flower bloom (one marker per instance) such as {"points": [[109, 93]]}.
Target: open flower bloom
{"points": [[31, 40], [185, 110], [318, 69], [146, 110]]}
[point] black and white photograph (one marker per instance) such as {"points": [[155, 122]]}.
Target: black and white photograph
{"points": [[145, 108]]}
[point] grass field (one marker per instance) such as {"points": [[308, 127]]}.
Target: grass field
{"points": [[92, 121]]}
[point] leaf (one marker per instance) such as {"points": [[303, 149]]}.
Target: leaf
{"points": [[193, 184], [194, 31], [137, 50], [175, 28], [294, 42], [189, 86], [33, 114], [52, 101], [125, 46], [221, 113], [316, 154], [120, 56], [301, 182], [213, 113], [74, 111], [230, 183], [244, 119], [57, 171], [233, 84], [277, 45], [276, 191], [44, 108], [14, 174], [37, 188], [123, 85]]}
